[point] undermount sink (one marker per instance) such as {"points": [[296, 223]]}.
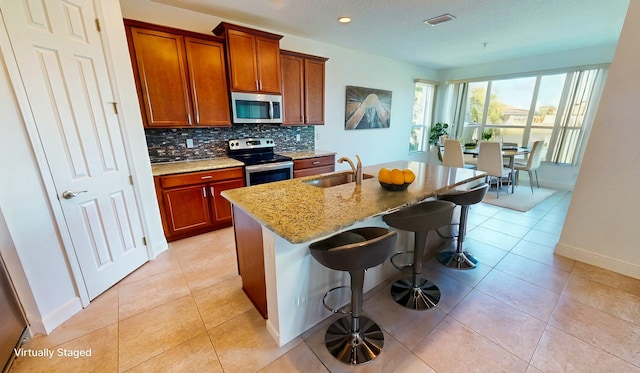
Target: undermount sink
{"points": [[335, 179]]}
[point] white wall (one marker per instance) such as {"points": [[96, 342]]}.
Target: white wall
{"points": [[604, 214], [344, 67]]}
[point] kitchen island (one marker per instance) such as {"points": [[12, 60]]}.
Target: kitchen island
{"points": [[274, 224]]}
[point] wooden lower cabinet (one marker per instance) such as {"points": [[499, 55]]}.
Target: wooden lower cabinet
{"points": [[187, 209], [314, 166], [250, 254], [191, 203]]}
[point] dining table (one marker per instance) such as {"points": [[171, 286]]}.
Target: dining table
{"points": [[509, 152]]}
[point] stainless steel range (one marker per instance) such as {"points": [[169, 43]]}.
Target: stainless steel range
{"points": [[262, 165]]}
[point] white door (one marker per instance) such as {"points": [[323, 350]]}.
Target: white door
{"points": [[62, 66]]}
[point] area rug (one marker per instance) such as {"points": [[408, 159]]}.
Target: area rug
{"points": [[521, 200]]}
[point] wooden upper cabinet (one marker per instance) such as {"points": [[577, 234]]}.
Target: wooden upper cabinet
{"points": [[181, 76], [269, 77], [254, 58], [302, 89], [292, 90], [162, 75], [208, 81]]}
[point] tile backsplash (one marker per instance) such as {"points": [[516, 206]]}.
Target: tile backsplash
{"points": [[170, 144]]}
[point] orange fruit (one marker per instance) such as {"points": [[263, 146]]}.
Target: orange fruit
{"points": [[397, 177], [409, 176], [384, 175]]}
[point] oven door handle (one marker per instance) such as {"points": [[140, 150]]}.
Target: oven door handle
{"points": [[269, 166]]}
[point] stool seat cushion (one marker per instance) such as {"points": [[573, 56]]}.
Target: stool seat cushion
{"points": [[422, 217], [355, 250], [466, 197]]}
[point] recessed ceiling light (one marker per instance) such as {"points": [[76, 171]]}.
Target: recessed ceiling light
{"points": [[439, 19], [344, 19]]}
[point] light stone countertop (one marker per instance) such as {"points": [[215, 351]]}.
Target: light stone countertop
{"points": [[167, 168], [300, 213], [159, 169], [304, 154]]}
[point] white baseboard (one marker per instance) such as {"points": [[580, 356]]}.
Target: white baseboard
{"points": [[598, 260], [55, 318], [157, 247]]}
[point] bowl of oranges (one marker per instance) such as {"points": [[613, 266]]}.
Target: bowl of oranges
{"points": [[395, 179]]}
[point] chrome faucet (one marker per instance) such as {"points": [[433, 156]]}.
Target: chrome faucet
{"points": [[357, 170]]}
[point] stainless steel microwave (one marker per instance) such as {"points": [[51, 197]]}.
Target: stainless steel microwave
{"points": [[256, 108]]}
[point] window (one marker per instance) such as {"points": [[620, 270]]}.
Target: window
{"points": [[549, 107], [422, 115]]}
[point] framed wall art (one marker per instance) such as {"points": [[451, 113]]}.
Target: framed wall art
{"points": [[367, 108]]}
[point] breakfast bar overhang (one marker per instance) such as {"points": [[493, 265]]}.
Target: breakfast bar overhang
{"points": [[274, 224]]}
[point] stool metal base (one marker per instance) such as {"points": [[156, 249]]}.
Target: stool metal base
{"points": [[354, 348], [456, 260], [423, 297]]}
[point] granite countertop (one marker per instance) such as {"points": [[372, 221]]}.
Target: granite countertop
{"points": [[159, 169], [300, 213], [167, 168], [304, 154]]}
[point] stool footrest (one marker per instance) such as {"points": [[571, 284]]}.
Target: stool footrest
{"points": [[346, 309], [404, 264]]}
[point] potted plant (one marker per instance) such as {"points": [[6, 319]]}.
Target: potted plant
{"points": [[487, 134], [437, 130]]}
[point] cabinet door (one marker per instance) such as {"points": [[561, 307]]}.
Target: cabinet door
{"points": [[220, 207], [162, 75], [208, 81], [292, 90], [242, 61], [268, 58], [187, 208], [314, 91]]}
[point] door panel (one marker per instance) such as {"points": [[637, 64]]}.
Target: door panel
{"points": [[242, 59], [207, 75], [187, 208], [268, 56], [62, 66], [160, 58], [314, 94], [220, 206]]}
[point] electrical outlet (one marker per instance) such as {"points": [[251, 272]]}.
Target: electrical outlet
{"points": [[298, 137], [189, 143]]}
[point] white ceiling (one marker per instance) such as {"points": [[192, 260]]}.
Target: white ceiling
{"points": [[394, 28]]}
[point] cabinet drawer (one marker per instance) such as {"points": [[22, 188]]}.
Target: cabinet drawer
{"points": [[313, 171], [201, 177], [314, 162]]}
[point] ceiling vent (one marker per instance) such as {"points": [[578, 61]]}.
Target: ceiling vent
{"points": [[439, 19]]}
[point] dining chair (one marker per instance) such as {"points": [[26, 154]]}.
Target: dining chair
{"points": [[490, 161], [532, 164], [453, 156]]}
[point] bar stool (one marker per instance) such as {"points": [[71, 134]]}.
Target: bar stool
{"points": [[355, 339], [460, 259], [418, 293]]}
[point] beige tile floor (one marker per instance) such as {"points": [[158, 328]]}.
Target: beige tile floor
{"points": [[523, 309]]}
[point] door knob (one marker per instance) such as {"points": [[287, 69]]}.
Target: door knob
{"points": [[67, 194]]}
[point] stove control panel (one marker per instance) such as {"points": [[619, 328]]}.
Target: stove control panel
{"points": [[251, 143]]}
